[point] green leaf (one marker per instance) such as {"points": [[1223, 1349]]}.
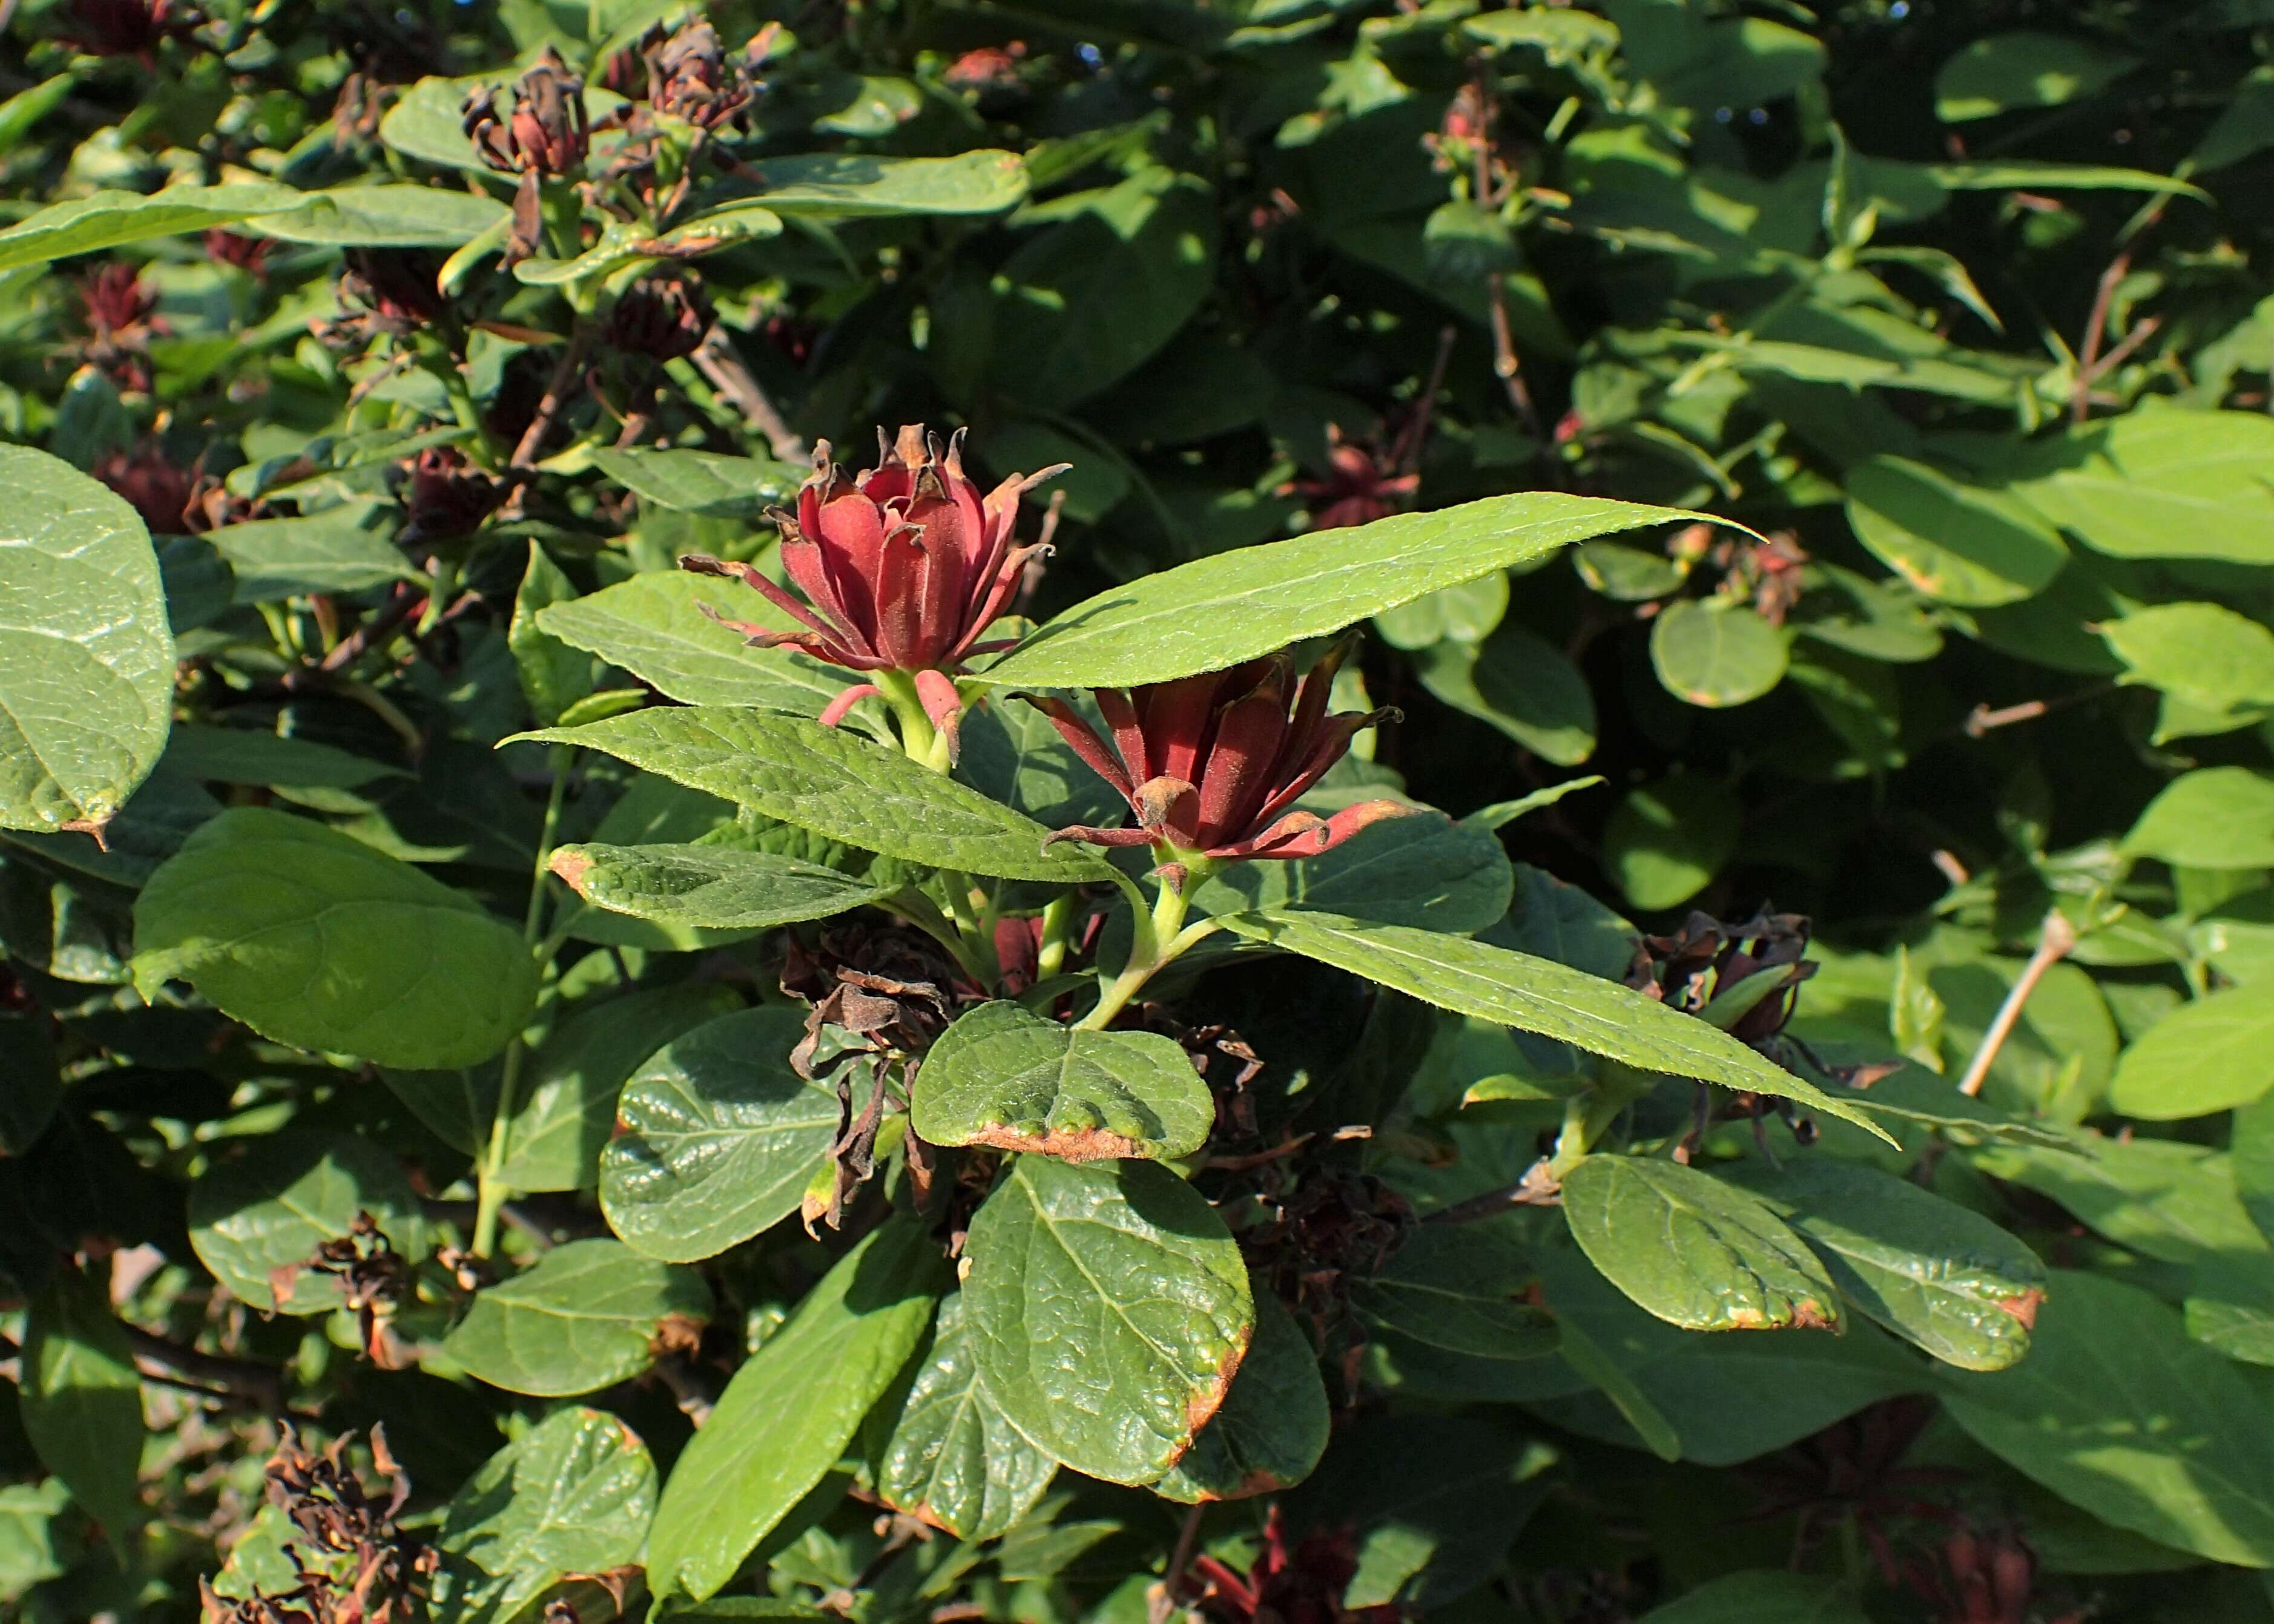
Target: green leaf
{"points": [[1762, 1596], [1273, 1425], [81, 1401], [30, 1084], [1666, 841], [2117, 1411], [1694, 1250], [1110, 1308], [791, 1408], [572, 1496], [2205, 654], [339, 550], [314, 939], [1009, 1080], [259, 1214], [87, 662], [1218, 611], [1716, 653], [385, 216], [2215, 817], [953, 1459], [110, 219], [650, 627], [1423, 869], [1147, 245], [828, 186], [1549, 918], [837, 783], [717, 887], [1536, 994], [719, 1138], [554, 675], [2160, 1198], [2209, 1055], [1466, 613], [590, 1314], [567, 1108], [1958, 543], [35, 1541], [703, 482], [1938, 1275], [219, 755], [2023, 68], [2160, 482], [1460, 1289], [1012, 753], [1520, 685]]}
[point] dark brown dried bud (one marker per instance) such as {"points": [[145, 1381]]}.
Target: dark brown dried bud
{"points": [[664, 316], [1708, 956], [398, 285], [537, 128], [690, 77], [152, 484], [446, 497]]}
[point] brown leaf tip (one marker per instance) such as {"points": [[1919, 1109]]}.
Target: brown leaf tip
{"points": [[1064, 1144], [2024, 1307], [571, 865]]}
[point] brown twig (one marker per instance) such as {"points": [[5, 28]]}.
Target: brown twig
{"points": [[1163, 1602], [2055, 938], [675, 1374], [1406, 455], [382, 623], [2079, 405], [262, 1385], [556, 394], [1538, 1187], [716, 359]]}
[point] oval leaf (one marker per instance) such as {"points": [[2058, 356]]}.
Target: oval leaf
{"points": [[1273, 1424], [588, 1314], [2211, 1054], [953, 1459], [1695, 1252], [81, 1400], [722, 887], [109, 219], [1716, 654], [258, 1217], [1110, 1308], [1009, 1080], [716, 1138], [1962, 543], [312, 938], [87, 662]]}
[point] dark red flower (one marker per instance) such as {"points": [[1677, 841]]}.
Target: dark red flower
{"points": [[903, 567], [153, 486], [1214, 763], [120, 323], [1363, 484], [1302, 1585], [249, 254], [538, 127], [988, 68], [691, 77], [446, 497], [662, 316], [126, 27], [390, 290]]}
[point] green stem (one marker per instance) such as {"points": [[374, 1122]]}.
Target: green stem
{"points": [[1050, 958], [920, 740], [493, 1192], [1588, 1117], [1161, 937], [439, 595]]}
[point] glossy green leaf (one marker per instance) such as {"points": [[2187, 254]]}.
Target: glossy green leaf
{"points": [[2023, 68], [342, 549], [2159, 482], [1957, 543], [567, 1098], [1519, 684], [2214, 818], [652, 627], [1666, 841], [792, 1407], [314, 939], [836, 784], [1536, 994], [829, 184], [1272, 1427], [2209, 1055], [217, 754], [571, 1496], [717, 887], [1715, 653], [953, 1459], [110, 219], [1217, 612], [2203, 653], [2117, 1411], [590, 1314], [719, 1137], [703, 482], [1009, 1080], [1462, 1290], [1695, 1250], [1549, 918], [87, 662], [385, 216], [1110, 1310], [1466, 613], [1938, 1275], [2161, 1197], [1424, 871], [81, 1400], [257, 1216], [555, 675]]}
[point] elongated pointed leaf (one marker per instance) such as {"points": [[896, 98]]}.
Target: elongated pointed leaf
{"points": [[1009, 1080], [87, 662], [824, 184], [385, 216], [791, 1408], [1218, 611], [1110, 1310], [952, 1459], [590, 1314], [82, 1400], [572, 1496], [837, 783], [1694, 1250], [2211, 1054], [718, 1137], [312, 938], [109, 219], [1273, 1424], [716, 886], [1537, 995], [705, 482]]}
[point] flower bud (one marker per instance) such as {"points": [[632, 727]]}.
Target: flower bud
{"points": [[664, 316], [537, 128]]}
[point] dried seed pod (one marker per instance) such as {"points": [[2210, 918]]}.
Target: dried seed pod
{"points": [[537, 127], [662, 316]]}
